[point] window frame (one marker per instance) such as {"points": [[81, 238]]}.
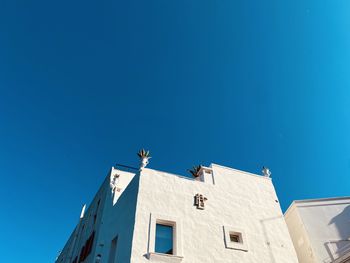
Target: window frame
{"points": [[241, 245], [177, 237], [171, 226]]}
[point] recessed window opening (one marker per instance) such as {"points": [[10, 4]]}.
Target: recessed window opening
{"points": [[164, 239], [113, 250], [235, 237]]}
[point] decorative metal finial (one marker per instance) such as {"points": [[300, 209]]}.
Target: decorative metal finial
{"points": [[144, 158], [266, 172]]}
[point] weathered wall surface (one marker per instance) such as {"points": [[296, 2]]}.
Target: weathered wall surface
{"points": [[238, 199]]}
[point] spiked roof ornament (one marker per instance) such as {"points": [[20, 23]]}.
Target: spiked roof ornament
{"points": [[195, 170], [144, 157]]}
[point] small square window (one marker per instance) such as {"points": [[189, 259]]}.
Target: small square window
{"points": [[234, 237]]}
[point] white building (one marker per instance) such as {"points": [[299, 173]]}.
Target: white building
{"points": [[145, 215], [320, 229]]}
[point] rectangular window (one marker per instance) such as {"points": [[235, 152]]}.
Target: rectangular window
{"points": [[89, 243], [113, 250], [164, 239]]}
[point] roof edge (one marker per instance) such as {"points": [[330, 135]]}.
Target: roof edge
{"points": [[295, 202], [240, 171]]}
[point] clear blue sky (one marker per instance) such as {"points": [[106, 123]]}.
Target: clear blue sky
{"points": [[85, 84]]}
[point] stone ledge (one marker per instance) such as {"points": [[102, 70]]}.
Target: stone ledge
{"points": [[158, 257]]}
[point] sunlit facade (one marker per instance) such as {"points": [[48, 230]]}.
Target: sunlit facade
{"points": [[320, 229], [144, 215]]}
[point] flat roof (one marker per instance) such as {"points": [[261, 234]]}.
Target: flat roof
{"points": [[239, 171], [296, 202]]}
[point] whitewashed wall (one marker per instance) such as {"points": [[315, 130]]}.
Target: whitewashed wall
{"points": [[115, 215], [238, 199], [118, 218], [320, 228]]}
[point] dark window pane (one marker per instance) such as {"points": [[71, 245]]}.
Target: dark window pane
{"points": [[234, 238], [164, 239]]}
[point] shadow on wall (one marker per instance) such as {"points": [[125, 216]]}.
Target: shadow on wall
{"points": [[336, 248]]}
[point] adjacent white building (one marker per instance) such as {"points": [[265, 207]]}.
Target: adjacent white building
{"points": [[144, 215], [320, 229]]}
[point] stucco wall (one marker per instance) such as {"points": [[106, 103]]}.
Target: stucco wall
{"points": [[299, 237], [236, 200], [242, 200], [118, 220], [85, 227], [109, 219], [326, 224]]}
